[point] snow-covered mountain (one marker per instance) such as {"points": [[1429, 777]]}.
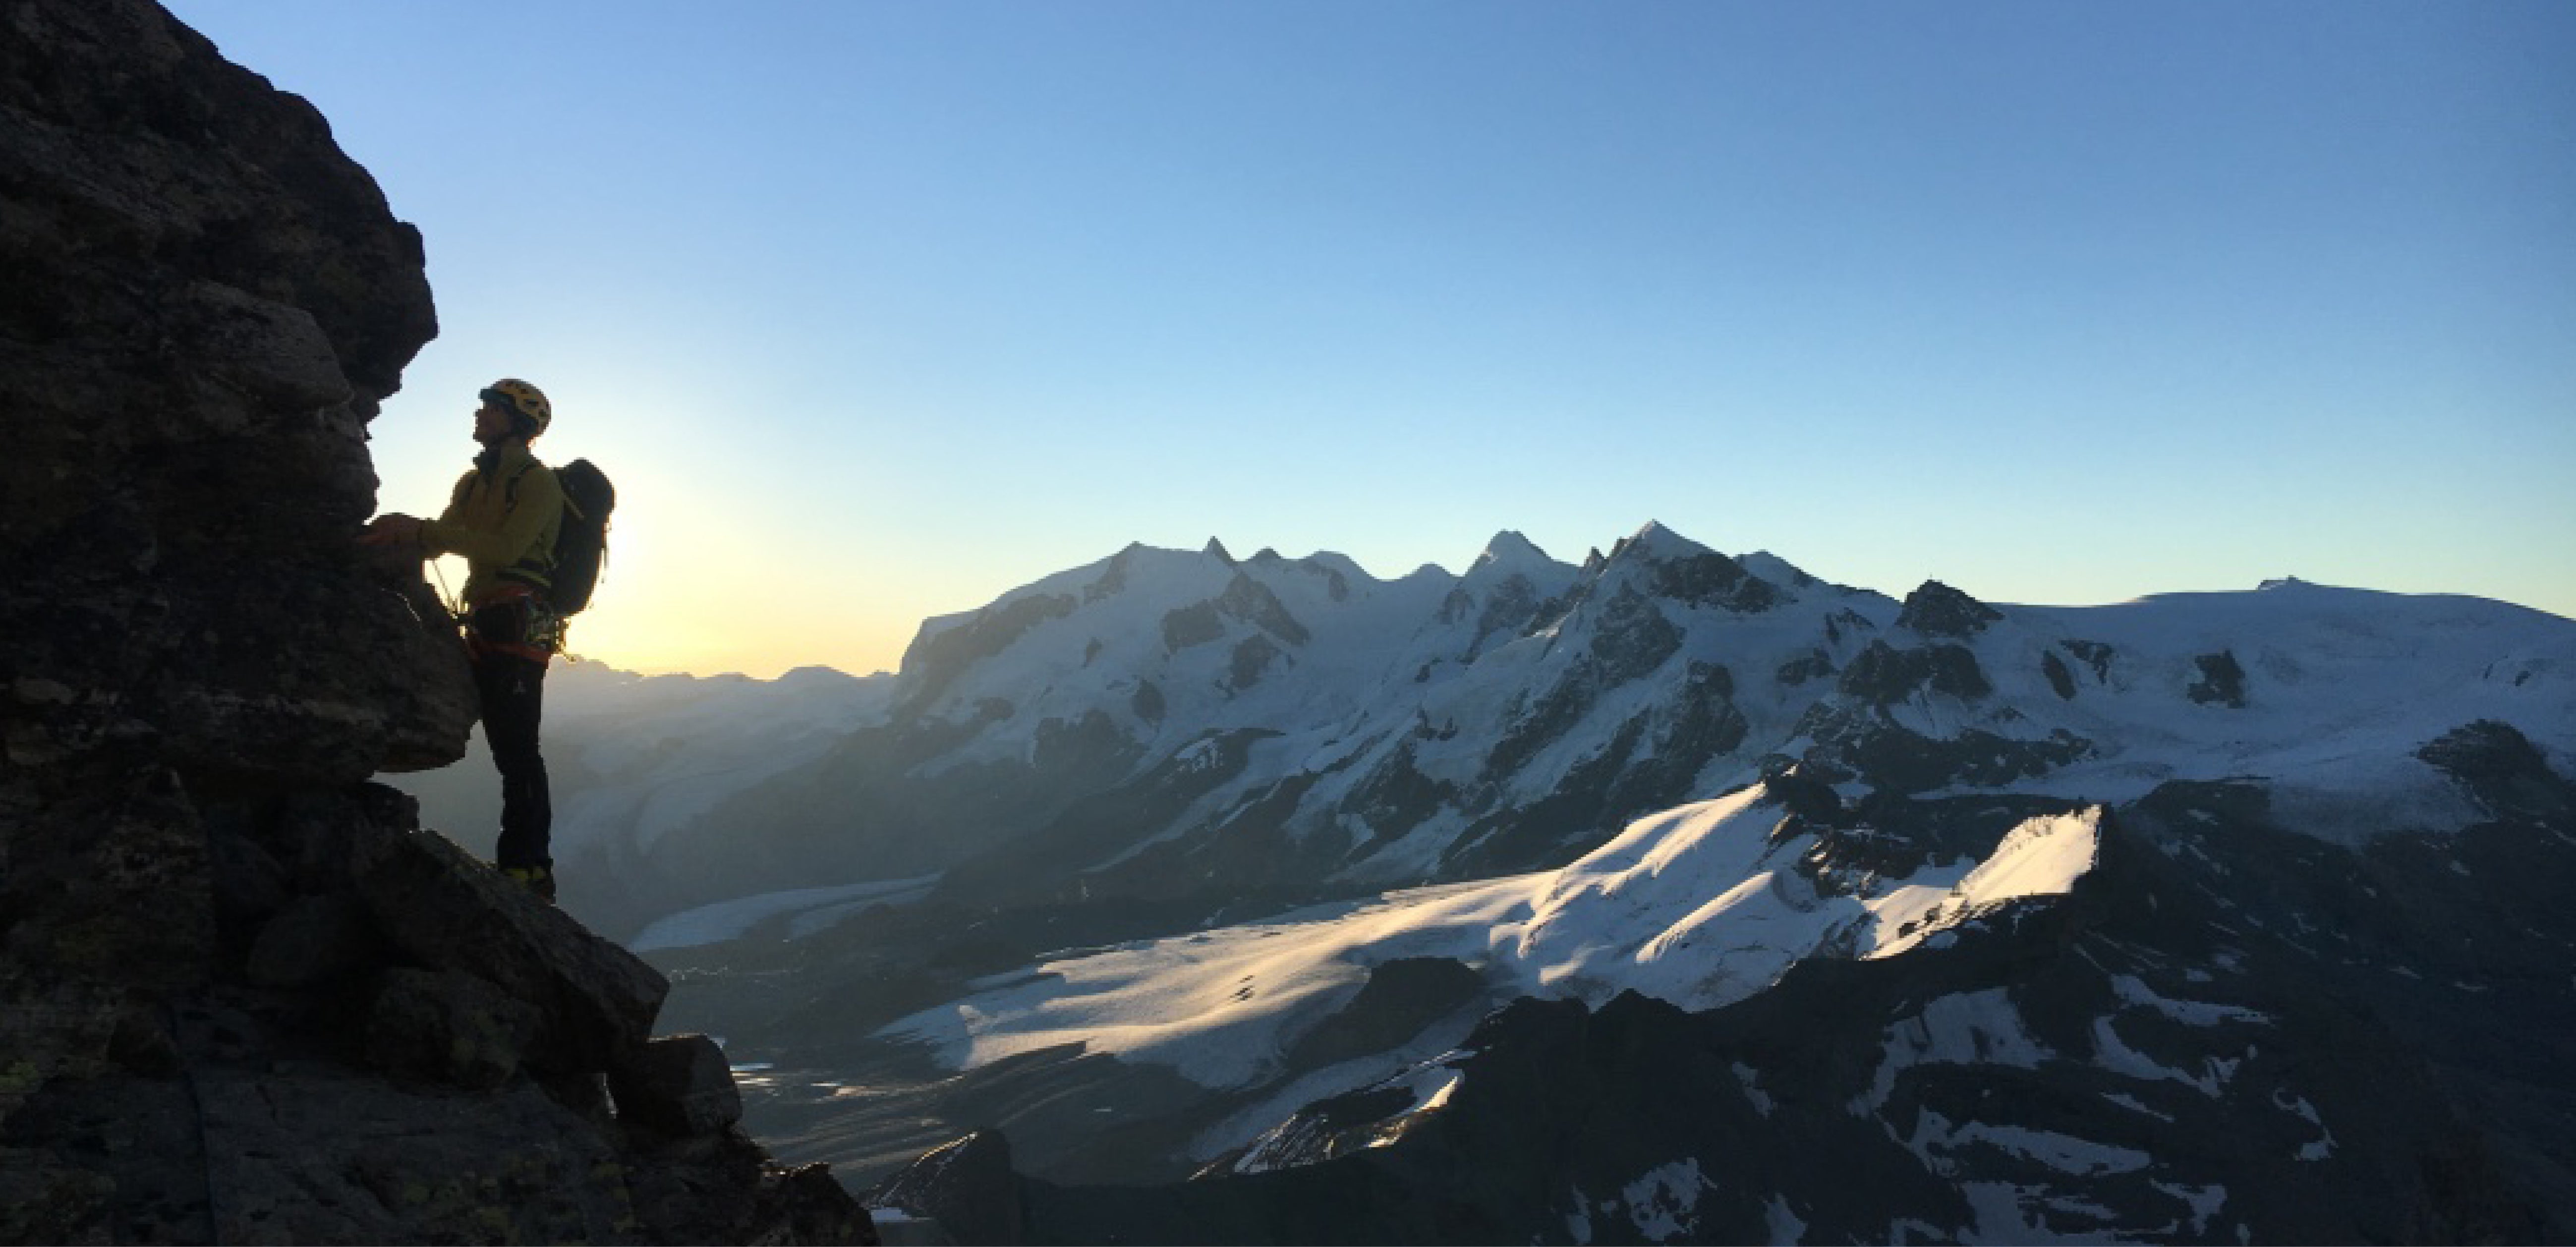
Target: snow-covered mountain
{"points": [[1266, 870], [1166, 722]]}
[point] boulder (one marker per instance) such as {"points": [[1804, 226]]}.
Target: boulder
{"points": [[447, 1026], [442, 908], [678, 1084]]}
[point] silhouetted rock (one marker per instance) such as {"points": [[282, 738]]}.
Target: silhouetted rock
{"points": [[968, 1187], [443, 909], [448, 1026], [679, 1084], [243, 996]]}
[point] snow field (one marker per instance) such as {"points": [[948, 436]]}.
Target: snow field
{"points": [[1691, 906]]}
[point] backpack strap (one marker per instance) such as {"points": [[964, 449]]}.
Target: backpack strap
{"points": [[524, 572]]}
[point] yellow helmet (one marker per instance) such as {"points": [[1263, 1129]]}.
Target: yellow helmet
{"points": [[526, 400]]}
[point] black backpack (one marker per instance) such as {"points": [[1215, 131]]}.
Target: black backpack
{"points": [[581, 545]]}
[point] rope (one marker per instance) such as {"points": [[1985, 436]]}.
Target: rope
{"points": [[447, 598]]}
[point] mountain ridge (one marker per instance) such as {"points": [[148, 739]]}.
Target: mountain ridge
{"points": [[1341, 835]]}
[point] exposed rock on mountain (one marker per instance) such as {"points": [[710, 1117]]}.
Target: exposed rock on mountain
{"points": [[1936, 609], [243, 996], [1976, 910]]}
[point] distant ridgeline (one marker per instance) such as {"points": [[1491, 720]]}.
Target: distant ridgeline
{"points": [[243, 996], [1671, 894]]}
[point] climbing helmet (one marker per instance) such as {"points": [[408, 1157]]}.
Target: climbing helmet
{"points": [[523, 400]]}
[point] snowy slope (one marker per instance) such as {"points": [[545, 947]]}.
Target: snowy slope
{"points": [[1682, 896], [1700, 906], [1441, 727], [1660, 775], [1165, 720]]}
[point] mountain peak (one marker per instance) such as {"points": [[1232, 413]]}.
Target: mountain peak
{"points": [[1509, 550], [1936, 609], [1655, 543], [1216, 549]]}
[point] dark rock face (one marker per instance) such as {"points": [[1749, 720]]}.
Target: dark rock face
{"points": [[2504, 771], [205, 302], [967, 1187], [1192, 625], [243, 996], [2059, 678], [442, 909], [1936, 609], [1252, 602], [2221, 682], [2094, 654], [943, 654], [1884, 675], [1707, 578], [679, 1084]]}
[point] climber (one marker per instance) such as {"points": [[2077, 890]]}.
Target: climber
{"points": [[503, 516]]}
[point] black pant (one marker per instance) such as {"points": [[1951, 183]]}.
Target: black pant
{"points": [[513, 690]]}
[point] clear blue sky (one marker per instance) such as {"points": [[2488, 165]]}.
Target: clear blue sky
{"points": [[879, 310]]}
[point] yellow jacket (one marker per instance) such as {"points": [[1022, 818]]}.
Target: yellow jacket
{"points": [[503, 520]]}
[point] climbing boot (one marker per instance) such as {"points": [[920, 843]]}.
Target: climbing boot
{"points": [[538, 879]]}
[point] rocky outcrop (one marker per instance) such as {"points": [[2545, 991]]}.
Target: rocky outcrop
{"points": [[243, 995], [2221, 682], [205, 302], [1936, 609], [967, 1188]]}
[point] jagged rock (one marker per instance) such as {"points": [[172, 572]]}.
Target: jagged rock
{"points": [[1936, 609], [1812, 665], [1148, 703], [45, 1202], [1884, 675], [205, 302], [448, 1026], [313, 940], [450, 912], [1634, 637], [944, 649], [1191, 625], [1251, 658], [2094, 654], [2221, 682], [2505, 772], [678, 1084], [1252, 602], [1707, 578], [807, 1204], [967, 1187]]}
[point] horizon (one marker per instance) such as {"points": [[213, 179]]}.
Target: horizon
{"points": [[2167, 595], [877, 313]]}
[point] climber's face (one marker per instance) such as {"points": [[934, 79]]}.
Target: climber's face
{"points": [[491, 423]]}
